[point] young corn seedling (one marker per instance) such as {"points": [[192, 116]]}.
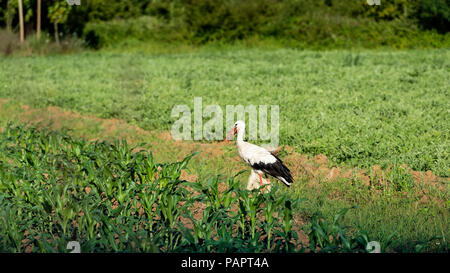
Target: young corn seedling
{"points": [[250, 205], [271, 205], [329, 236]]}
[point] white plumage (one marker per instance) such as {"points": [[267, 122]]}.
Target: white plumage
{"points": [[252, 153], [261, 160]]}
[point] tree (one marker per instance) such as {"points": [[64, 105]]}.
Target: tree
{"points": [[38, 23], [434, 14], [10, 13], [11, 10], [22, 33], [58, 14]]}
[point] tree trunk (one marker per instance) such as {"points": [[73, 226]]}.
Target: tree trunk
{"points": [[38, 23], [9, 15], [55, 24], [22, 34]]}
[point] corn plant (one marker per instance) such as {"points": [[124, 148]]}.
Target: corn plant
{"points": [[55, 189], [330, 236]]}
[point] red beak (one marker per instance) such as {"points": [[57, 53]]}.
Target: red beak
{"points": [[231, 133]]}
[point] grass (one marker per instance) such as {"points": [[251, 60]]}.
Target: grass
{"points": [[404, 214], [360, 109], [357, 108], [397, 219]]}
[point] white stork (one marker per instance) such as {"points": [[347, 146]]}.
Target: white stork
{"points": [[261, 160]]}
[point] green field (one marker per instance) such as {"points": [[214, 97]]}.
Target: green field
{"points": [[358, 108], [55, 188]]}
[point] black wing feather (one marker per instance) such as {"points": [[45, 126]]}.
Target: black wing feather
{"points": [[276, 169]]}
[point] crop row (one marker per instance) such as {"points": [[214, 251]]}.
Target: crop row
{"points": [[111, 198]]}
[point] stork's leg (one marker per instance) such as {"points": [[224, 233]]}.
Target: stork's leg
{"points": [[261, 187]]}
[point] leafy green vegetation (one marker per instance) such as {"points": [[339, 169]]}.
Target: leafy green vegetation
{"points": [[55, 189], [300, 24], [403, 214], [102, 34], [357, 108], [313, 24], [360, 108]]}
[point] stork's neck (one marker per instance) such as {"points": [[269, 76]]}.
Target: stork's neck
{"points": [[240, 137]]}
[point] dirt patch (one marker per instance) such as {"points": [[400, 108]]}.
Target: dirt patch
{"points": [[429, 177], [321, 159], [188, 177], [334, 173]]}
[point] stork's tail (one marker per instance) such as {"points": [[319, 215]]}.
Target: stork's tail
{"points": [[285, 176], [284, 173]]}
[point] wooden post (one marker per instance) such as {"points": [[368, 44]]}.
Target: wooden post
{"points": [[22, 34], [38, 24]]}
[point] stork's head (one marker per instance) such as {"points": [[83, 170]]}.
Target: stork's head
{"points": [[239, 126]]}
